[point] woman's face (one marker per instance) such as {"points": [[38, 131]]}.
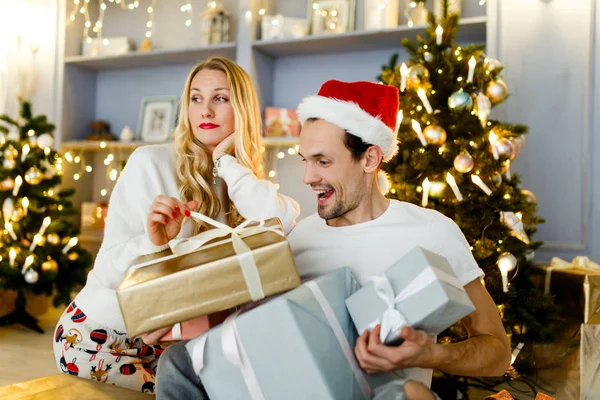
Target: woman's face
{"points": [[210, 112]]}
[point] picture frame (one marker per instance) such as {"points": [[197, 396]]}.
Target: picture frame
{"points": [[331, 16], [157, 118]]}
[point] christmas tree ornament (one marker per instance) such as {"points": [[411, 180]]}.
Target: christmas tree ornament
{"points": [[10, 152], [32, 141], [517, 145], [17, 214], [514, 223], [506, 263], [53, 239], [529, 196], [33, 176], [504, 147], [492, 64], [425, 100], [452, 183], [7, 184], [459, 101], [73, 256], [476, 179], [25, 152], [418, 76], [31, 276], [18, 183], [417, 128], [464, 163], [428, 57], [426, 187], [9, 163], [472, 64], [435, 134], [50, 265], [496, 91], [403, 76], [439, 35], [45, 140], [483, 108]]}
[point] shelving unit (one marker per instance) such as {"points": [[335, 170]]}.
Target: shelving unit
{"points": [[188, 55], [284, 71]]}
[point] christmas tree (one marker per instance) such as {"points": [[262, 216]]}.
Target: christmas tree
{"points": [[453, 159], [38, 247]]}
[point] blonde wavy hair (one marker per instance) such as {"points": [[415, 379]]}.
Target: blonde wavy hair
{"points": [[194, 160]]}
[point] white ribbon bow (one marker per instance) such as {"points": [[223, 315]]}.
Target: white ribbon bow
{"points": [[244, 253], [392, 320], [234, 351]]}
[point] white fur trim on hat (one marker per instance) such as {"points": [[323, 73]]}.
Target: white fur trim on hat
{"points": [[384, 182], [350, 117]]}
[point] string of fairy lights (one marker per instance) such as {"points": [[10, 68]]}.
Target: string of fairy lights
{"points": [[82, 7]]}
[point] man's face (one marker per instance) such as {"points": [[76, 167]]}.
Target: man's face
{"points": [[338, 181]]}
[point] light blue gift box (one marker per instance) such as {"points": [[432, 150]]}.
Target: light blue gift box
{"points": [[291, 347], [433, 306]]}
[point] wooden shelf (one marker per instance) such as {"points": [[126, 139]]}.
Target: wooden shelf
{"points": [[472, 29], [153, 58], [92, 145], [280, 141]]}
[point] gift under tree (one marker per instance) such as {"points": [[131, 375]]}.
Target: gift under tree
{"points": [[455, 159], [39, 249]]}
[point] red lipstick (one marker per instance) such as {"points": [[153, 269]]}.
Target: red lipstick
{"points": [[207, 125]]}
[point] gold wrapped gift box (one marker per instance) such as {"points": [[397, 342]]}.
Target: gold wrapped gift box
{"points": [[576, 288], [163, 289]]}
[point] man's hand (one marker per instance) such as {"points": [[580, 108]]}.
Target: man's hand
{"points": [[417, 350], [153, 338]]}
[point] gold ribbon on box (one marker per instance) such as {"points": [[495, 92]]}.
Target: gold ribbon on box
{"points": [[244, 253], [583, 265]]}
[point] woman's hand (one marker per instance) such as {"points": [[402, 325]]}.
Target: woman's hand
{"points": [[153, 338], [225, 147], [165, 218]]}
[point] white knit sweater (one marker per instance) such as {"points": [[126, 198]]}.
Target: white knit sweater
{"points": [[151, 171]]}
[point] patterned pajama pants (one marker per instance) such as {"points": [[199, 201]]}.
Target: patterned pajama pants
{"points": [[85, 349]]}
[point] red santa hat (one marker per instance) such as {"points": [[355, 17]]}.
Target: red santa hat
{"points": [[365, 109]]}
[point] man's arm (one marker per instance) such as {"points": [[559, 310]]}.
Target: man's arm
{"points": [[485, 353]]}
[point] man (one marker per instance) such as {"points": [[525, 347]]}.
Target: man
{"points": [[348, 130]]}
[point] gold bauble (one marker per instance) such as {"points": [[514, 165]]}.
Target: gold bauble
{"points": [[529, 195], [53, 238], [497, 179], [73, 256], [491, 64], [418, 76], [435, 134], [50, 266], [464, 163], [9, 163], [10, 152], [496, 91], [33, 176], [17, 214], [7, 184]]}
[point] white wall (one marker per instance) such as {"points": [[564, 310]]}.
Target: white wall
{"points": [[36, 22], [548, 49]]}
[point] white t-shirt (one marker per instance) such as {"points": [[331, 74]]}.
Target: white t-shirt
{"points": [[371, 247]]}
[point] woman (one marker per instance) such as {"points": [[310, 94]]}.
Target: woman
{"points": [[212, 167]]}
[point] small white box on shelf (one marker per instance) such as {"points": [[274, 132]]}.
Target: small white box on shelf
{"points": [[280, 27], [108, 46], [381, 14]]}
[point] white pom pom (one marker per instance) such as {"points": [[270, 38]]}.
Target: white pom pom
{"points": [[384, 182]]}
